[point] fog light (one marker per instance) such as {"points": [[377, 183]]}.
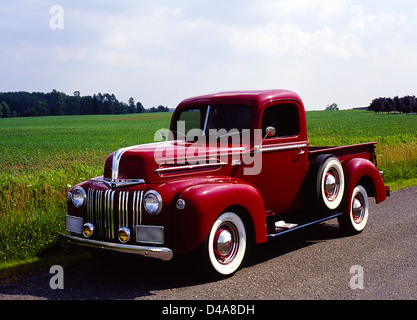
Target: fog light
{"points": [[124, 235], [88, 229]]}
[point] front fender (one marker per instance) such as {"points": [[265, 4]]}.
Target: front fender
{"points": [[359, 169], [205, 202]]}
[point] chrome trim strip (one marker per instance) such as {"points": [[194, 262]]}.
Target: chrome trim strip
{"points": [[126, 212], [134, 208], [105, 214], [123, 209], [122, 182], [190, 167], [108, 213], [160, 253], [99, 211], [116, 162], [140, 207], [137, 208], [283, 147], [209, 156], [90, 204], [115, 182], [120, 222], [120, 225], [112, 213]]}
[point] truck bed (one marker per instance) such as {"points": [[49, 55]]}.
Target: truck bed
{"points": [[345, 153]]}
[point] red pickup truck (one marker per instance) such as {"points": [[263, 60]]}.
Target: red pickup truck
{"points": [[236, 170]]}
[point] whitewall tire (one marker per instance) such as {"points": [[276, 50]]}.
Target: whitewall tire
{"points": [[358, 214], [330, 183], [225, 245]]}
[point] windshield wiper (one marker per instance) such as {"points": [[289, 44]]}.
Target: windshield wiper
{"points": [[205, 121]]}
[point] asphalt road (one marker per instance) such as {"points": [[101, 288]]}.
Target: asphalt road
{"points": [[314, 263]]}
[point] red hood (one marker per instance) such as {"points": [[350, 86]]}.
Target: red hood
{"points": [[154, 161]]}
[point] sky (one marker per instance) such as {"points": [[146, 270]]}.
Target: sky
{"points": [[163, 51]]}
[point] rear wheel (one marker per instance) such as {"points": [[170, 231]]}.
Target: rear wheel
{"points": [[225, 245], [357, 217], [329, 183]]}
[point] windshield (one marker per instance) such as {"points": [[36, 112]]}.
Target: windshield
{"points": [[210, 120]]}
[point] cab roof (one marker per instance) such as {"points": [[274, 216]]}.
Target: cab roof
{"points": [[260, 97]]}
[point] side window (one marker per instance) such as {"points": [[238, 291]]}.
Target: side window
{"points": [[284, 118]]}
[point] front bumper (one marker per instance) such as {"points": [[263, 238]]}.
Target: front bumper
{"points": [[159, 253]]}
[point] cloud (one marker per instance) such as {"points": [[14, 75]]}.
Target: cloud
{"points": [[160, 52], [324, 8]]}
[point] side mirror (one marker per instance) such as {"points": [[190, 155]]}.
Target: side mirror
{"points": [[270, 132]]}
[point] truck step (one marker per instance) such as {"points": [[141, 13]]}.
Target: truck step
{"points": [[282, 227]]}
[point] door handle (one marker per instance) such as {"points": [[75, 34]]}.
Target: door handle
{"points": [[301, 152]]}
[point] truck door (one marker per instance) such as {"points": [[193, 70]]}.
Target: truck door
{"points": [[284, 157]]}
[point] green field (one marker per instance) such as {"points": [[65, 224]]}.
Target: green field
{"points": [[40, 158]]}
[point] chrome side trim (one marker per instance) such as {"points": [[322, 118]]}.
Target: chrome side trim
{"points": [[160, 253], [190, 167], [283, 147]]}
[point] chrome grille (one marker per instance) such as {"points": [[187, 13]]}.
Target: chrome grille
{"points": [[108, 213], [105, 209], [123, 209], [137, 207]]}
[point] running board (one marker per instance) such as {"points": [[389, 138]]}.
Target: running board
{"points": [[282, 227]]}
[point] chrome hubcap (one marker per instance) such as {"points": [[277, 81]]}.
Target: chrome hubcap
{"points": [[357, 210], [226, 243], [331, 185]]}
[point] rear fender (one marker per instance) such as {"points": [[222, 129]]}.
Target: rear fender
{"points": [[203, 205], [363, 171]]}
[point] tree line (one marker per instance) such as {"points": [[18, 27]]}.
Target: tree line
{"points": [[406, 104], [25, 104]]}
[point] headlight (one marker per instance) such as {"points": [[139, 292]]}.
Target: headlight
{"points": [[78, 197], [152, 202]]}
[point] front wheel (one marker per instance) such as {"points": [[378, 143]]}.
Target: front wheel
{"points": [[225, 245], [357, 217]]}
